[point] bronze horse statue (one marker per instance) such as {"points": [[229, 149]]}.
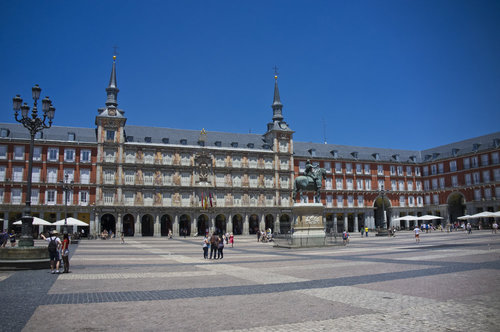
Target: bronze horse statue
{"points": [[306, 183]]}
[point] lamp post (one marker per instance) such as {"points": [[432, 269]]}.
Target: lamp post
{"points": [[34, 124], [383, 231], [67, 186]]}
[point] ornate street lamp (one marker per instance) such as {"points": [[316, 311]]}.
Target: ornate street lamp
{"points": [[34, 124], [384, 217], [67, 186]]}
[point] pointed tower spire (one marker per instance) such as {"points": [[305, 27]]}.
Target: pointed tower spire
{"points": [[112, 89], [277, 105]]}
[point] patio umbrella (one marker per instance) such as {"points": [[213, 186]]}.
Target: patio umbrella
{"points": [[497, 214], [429, 217], [466, 217], [485, 214], [409, 217], [36, 221], [71, 222]]}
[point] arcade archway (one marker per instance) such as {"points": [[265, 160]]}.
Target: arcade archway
{"points": [[185, 225], [456, 206], [270, 222], [166, 224], [128, 225], [253, 224], [220, 224], [147, 225], [203, 225], [237, 224], [108, 223]]}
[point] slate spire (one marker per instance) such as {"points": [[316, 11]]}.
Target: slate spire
{"points": [[277, 105], [112, 89]]}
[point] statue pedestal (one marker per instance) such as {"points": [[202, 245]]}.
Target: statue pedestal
{"points": [[308, 228]]}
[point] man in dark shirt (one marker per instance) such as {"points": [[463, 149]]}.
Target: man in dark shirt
{"points": [[214, 242]]}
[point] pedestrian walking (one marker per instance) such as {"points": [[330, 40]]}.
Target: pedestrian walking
{"points": [[220, 248], [469, 228], [494, 228], [65, 252], [4, 237], [205, 245], [122, 237], [213, 246], [53, 247], [366, 231], [417, 234], [231, 240]]}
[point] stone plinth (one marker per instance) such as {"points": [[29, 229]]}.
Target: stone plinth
{"points": [[24, 258], [308, 228]]}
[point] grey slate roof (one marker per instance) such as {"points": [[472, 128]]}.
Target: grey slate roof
{"points": [[138, 134], [174, 136], [54, 133]]}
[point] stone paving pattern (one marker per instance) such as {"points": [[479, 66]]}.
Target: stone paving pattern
{"points": [[448, 282]]}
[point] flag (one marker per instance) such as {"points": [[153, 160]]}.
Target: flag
{"points": [[210, 199], [202, 203]]}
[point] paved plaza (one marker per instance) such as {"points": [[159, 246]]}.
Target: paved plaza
{"points": [[448, 282]]}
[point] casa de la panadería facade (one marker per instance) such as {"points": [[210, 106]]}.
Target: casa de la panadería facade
{"points": [[147, 181]]}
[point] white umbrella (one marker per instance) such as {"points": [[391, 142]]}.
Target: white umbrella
{"points": [[70, 222], [485, 214], [36, 221], [429, 217], [466, 217], [409, 217], [497, 214]]}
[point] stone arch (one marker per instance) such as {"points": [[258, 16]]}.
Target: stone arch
{"points": [[128, 225], [253, 224], [165, 224], [269, 219], [380, 206], [147, 225], [203, 224], [220, 224], [456, 206], [237, 224], [184, 225], [108, 222], [285, 223]]}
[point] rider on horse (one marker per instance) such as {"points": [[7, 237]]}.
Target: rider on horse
{"points": [[311, 173]]}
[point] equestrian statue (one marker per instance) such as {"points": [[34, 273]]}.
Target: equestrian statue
{"points": [[310, 181]]}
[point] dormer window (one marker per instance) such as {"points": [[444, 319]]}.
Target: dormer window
{"points": [[71, 137], [4, 132], [218, 143], [39, 135], [376, 156], [354, 154], [234, 144], [184, 141], [413, 159], [201, 143], [334, 153], [130, 138], [147, 139], [164, 140], [312, 152], [266, 146], [496, 142], [435, 155], [395, 157], [475, 147], [427, 157], [250, 145], [454, 152]]}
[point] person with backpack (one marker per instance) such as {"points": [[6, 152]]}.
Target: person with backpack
{"points": [[53, 247]]}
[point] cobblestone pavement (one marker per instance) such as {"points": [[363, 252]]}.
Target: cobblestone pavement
{"points": [[448, 282]]}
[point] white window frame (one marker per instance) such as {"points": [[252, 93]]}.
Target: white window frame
{"points": [[50, 152]]}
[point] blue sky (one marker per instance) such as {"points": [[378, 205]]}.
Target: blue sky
{"points": [[389, 74]]}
